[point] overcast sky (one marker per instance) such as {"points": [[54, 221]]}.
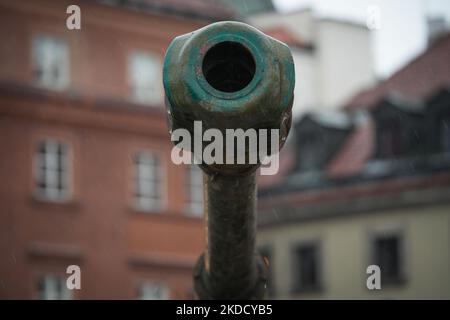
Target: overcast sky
{"points": [[402, 34]]}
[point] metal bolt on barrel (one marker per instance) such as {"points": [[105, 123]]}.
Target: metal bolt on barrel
{"points": [[229, 75]]}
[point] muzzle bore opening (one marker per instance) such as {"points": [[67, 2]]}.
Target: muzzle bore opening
{"points": [[228, 66]]}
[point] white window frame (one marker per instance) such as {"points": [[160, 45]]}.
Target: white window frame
{"points": [[53, 287], [148, 181], [146, 88], [194, 191], [146, 288], [53, 170], [51, 54]]}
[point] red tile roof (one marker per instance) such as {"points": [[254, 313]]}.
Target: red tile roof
{"points": [[417, 80], [355, 152]]}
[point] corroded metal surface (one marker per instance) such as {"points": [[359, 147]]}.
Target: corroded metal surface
{"points": [[229, 76]]}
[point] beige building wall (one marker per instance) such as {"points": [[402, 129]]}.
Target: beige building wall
{"points": [[345, 244]]}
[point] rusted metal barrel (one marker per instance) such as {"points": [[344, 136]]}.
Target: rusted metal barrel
{"points": [[229, 75]]}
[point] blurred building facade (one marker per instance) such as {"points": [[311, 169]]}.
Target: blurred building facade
{"points": [[86, 173], [368, 186]]}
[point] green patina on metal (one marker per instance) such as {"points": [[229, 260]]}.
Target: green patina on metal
{"points": [[229, 75], [185, 84]]}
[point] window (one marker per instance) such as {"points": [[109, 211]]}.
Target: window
{"points": [[52, 170], [50, 62], [53, 287], [145, 78], [195, 190], [387, 255], [148, 181], [445, 135], [153, 291], [309, 159], [307, 263]]}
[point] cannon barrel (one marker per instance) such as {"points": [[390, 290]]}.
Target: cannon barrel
{"points": [[229, 75]]}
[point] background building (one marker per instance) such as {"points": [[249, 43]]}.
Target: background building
{"points": [[85, 168], [87, 179], [333, 58], [370, 187]]}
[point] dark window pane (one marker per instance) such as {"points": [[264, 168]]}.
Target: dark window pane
{"points": [[51, 174], [308, 267], [60, 166]]}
